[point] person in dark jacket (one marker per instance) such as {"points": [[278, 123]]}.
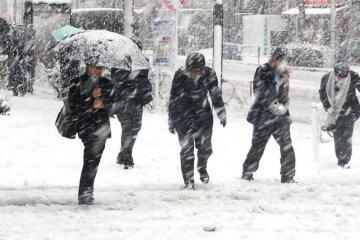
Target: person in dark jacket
{"points": [[89, 99], [133, 91], [270, 116], [190, 114], [338, 96]]}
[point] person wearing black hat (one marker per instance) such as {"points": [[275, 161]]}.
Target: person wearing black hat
{"points": [[190, 114], [338, 96], [90, 98], [270, 116]]}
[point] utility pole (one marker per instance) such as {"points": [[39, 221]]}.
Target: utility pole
{"points": [[128, 18], [176, 37], [301, 21], [333, 31], [15, 12], [218, 38]]}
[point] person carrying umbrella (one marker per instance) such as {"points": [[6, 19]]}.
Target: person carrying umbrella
{"points": [[338, 96], [90, 98], [190, 115]]}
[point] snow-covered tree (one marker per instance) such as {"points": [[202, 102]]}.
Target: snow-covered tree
{"points": [[4, 105]]}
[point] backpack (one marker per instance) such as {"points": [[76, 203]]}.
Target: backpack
{"points": [[256, 80], [66, 124]]}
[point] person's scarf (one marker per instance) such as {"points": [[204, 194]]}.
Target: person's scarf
{"points": [[336, 100], [284, 92]]}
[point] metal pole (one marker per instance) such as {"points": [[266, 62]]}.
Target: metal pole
{"points": [[315, 135], [301, 21], [176, 38], [333, 31], [15, 9], [218, 39], [128, 18]]}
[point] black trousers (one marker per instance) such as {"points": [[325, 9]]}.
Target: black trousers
{"points": [[343, 139], [202, 140], [279, 128], [94, 145], [131, 121]]}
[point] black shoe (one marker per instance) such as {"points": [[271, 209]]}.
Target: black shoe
{"points": [[247, 176], [204, 176], [120, 159], [129, 164], [189, 186], [344, 165], [288, 180], [86, 200]]}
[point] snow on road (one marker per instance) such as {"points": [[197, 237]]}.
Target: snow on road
{"points": [[39, 173]]}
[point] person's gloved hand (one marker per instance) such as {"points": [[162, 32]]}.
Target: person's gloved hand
{"points": [[172, 130], [223, 122], [331, 111], [278, 108]]}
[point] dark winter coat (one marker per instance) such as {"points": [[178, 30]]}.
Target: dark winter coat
{"points": [[351, 105], [132, 89], [80, 102], [265, 94], [189, 107]]}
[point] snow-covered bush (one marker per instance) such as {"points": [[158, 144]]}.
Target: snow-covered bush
{"points": [[307, 55], [4, 105], [3, 70]]}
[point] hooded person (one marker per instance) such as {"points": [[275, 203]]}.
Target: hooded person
{"points": [[270, 116], [338, 97], [190, 114], [90, 99]]}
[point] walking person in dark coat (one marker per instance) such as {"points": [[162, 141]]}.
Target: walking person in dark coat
{"points": [[270, 116], [338, 96], [132, 92], [190, 114], [90, 98]]}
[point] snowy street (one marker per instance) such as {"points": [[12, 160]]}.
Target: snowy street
{"points": [[40, 170]]}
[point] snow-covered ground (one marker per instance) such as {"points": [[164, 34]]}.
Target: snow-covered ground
{"points": [[39, 173]]}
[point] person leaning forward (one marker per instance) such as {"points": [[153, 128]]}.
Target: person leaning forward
{"points": [[190, 114], [132, 92], [338, 96], [270, 116], [90, 97]]}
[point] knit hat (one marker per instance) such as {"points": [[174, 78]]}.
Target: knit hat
{"points": [[341, 70], [195, 61]]}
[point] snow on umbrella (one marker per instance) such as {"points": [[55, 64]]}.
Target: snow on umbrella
{"points": [[104, 48]]}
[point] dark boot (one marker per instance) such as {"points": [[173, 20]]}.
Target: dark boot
{"points": [[204, 176], [129, 163], [189, 186], [120, 159], [86, 197], [248, 176], [287, 180]]}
